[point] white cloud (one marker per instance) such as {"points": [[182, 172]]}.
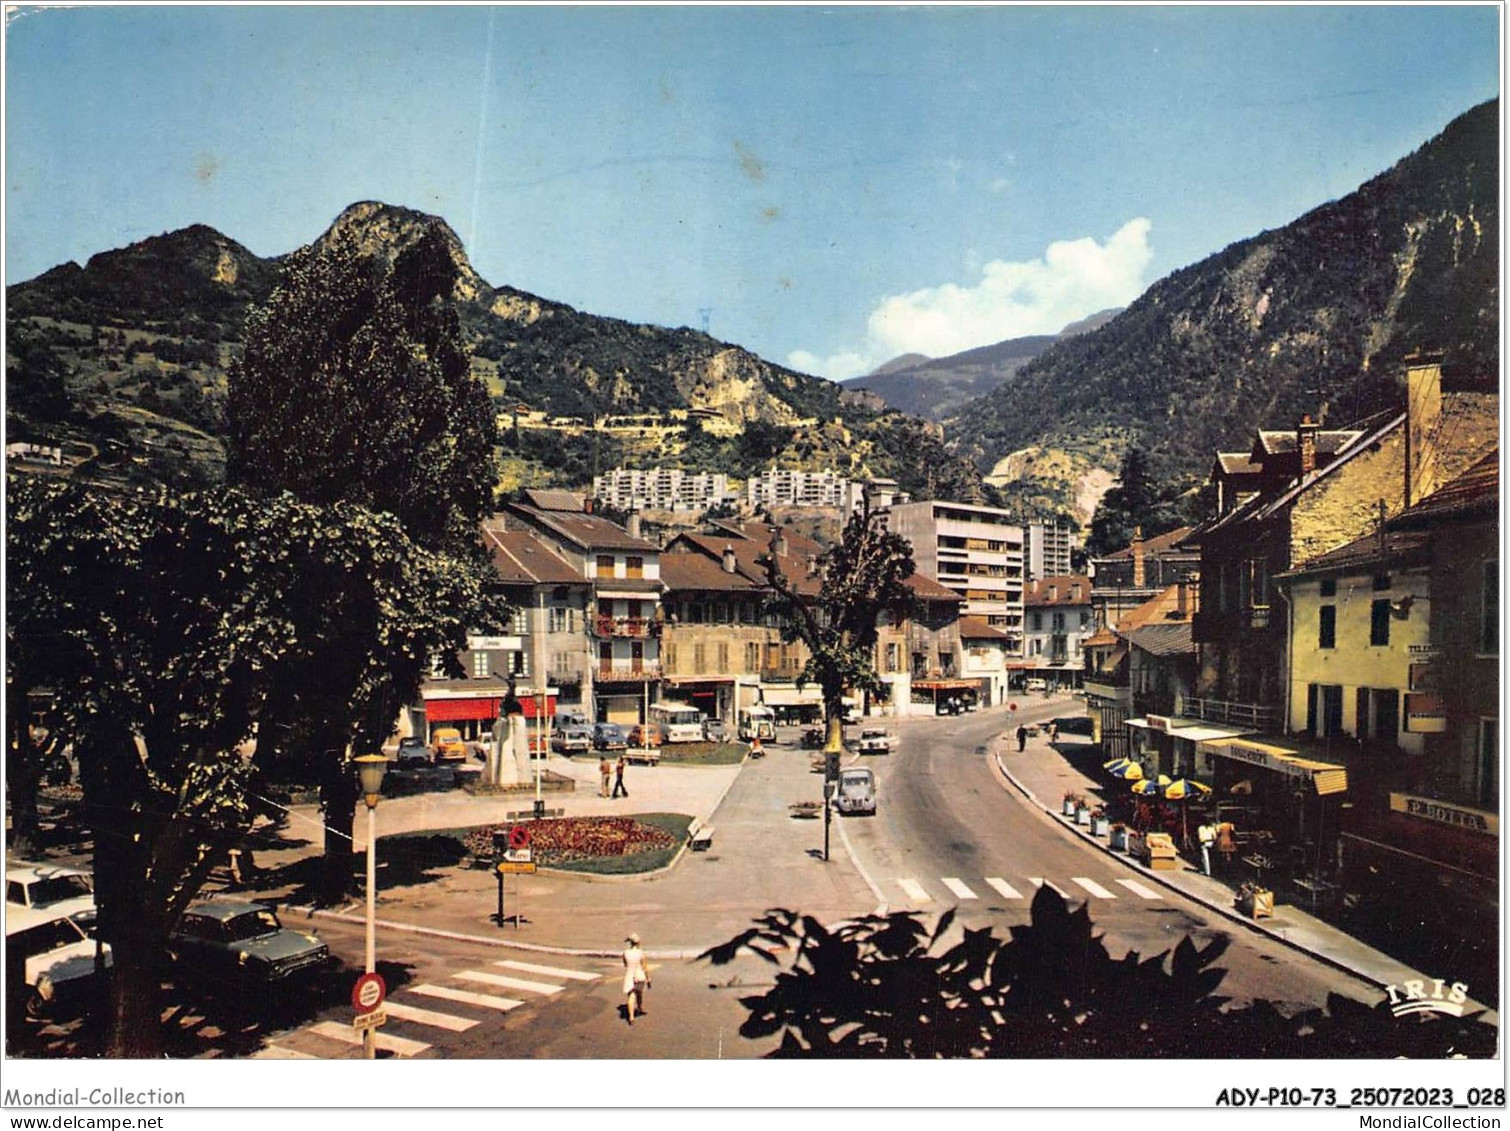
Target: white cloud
{"points": [[1072, 279]]}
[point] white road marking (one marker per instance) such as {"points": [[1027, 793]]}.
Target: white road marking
{"points": [[1006, 890], [1140, 889], [401, 1046], [915, 890], [508, 983], [448, 1021], [1039, 881], [958, 888], [466, 997], [549, 971], [1093, 887]]}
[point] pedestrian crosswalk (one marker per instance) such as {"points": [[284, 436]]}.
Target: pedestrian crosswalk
{"points": [[956, 889], [436, 1010]]}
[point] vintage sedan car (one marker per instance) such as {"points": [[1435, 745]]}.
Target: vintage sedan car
{"points": [[412, 752], [242, 945], [609, 736], [53, 956], [572, 738], [645, 735], [877, 740], [448, 745], [49, 887]]}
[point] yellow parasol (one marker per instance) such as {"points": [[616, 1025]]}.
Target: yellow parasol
{"points": [[1185, 788], [1152, 785]]}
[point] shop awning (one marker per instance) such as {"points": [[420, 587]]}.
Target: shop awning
{"points": [[461, 710], [945, 684], [793, 697], [1326, 777], [1208, 733], [695, 680]]}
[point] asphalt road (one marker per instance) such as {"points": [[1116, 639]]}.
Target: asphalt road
{"points": [[949, 832]]}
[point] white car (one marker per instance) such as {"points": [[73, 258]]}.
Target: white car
{"points": [[856, 792], [875, 740], [56, 956], [48, 887]]}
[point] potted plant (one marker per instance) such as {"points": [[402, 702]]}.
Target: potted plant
{"points": [[1070, 800], [1099, 821], [1119, 836], [1082, 811]]}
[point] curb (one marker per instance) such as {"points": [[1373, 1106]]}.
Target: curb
{"points": [[1225, 912]]}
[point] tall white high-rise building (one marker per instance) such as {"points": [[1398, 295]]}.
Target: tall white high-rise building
{"points": [[1046, 547], [784, 487], [661, 488]]}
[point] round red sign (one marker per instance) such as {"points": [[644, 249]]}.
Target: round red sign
{"points": [[1011, 706], [368, 993], [519, 837]]}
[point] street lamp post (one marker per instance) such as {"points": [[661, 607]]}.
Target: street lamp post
{"points": [[370, 771]]}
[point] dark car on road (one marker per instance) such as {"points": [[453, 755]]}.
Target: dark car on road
{"points": [[609, 736], [243, 945], [412, 752], [1077, 724]]}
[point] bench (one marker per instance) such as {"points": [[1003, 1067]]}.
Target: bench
{"points": [[643, 757], [528, 814], [699, 836]]}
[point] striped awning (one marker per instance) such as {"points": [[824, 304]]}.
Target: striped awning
{"points": [[1326, 777]]}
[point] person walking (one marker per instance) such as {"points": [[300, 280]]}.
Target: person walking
{"points": [[1053, 732], [1206, 834], [605, 771], [618, 778], [1022, 738], [636, 977]]}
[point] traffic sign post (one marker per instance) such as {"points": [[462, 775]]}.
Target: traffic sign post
{"points": [[374, 1020], [367, 996]]}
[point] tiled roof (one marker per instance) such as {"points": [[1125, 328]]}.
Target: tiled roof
{"points": [[1274, 441], [747, 551], [1160, 609], [1063, 589], [1475, 492], [521, 558], [927, 589], [1171, 639], [691, 571], [1237, 463], [1152, 547], [1269, 509], [1397, 548], [798, 545], [549, 499], [978, 628], [587, 531], [1101, 637]]}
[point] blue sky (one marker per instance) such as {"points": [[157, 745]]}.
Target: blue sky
{"points": [[837, 185]]}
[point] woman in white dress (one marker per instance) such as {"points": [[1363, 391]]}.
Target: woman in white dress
{"points": [[636, 977]]}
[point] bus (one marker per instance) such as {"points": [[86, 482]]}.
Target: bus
{"points": [[678, 722]]}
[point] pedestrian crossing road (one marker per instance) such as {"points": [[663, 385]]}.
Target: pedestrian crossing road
{"points": [[956, 889], [457, 1002]]}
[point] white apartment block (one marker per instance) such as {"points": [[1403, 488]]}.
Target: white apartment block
{"points": [[783, 488], [1046, 547], [662, 488], [974, 550]]}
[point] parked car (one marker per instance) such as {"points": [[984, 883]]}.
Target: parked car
{"points": [[1077, 724], [243, 945], [813, 738], [49, 887], [645, 735], [950, 707], [572, 738], [856, 792], [572, 717], [877, 740], [713, 730], [52, 956], [609, 736], [412, 751], [1036, 685], [448, 745]]}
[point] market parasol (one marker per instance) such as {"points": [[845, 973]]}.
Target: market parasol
{"points": [[1116, 764], [1152, 785], [1129, 772], [1185, 788]]}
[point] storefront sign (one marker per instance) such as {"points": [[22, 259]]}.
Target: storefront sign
{"points": [[1424, 653], [1257, 755], [494, 643], [1444, 813], [1424, 714], [1158, 722]]}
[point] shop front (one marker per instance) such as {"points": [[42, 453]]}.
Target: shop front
{"points": [[946, 696], [712, 695], [1170, 745], [1285, 812], [793, 705]]}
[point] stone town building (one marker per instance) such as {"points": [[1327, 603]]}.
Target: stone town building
{"points": [[624, 616], [1124, 580], [1057, 619]]}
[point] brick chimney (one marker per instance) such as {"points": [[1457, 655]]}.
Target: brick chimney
{"points": [[729, 559], [633, 525], [1305, 443], [1137, 557], [1182, 599]]}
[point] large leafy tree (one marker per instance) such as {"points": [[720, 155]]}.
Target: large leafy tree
{"points": [[860, 577], [158, 625], [888, 986], [355, 386]]}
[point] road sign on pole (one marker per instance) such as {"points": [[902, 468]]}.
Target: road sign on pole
{"points": [[374, 1020], [368, 992]]}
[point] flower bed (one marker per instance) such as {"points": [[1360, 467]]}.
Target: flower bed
{"points": [[567, 840]]}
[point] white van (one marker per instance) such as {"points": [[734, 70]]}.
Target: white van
{"points": [[856, 792], [757, 722], [678, 722], [1036, 685]]}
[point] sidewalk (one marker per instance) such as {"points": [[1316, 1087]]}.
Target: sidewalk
{"points": [[1043, 773], [750, 863]]}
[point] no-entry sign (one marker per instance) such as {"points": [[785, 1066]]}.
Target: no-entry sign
{"points": [[368, 993]]}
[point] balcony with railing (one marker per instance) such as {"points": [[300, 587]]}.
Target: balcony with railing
{"points": [[1250, 716], [637, 628]]}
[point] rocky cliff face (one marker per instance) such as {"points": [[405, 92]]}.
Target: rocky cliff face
{"points": [[1313, 317]]}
